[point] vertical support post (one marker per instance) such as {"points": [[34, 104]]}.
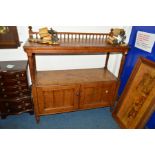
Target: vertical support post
{"points": [[122, 64], [120, 72], [116, 98], [32, 66], [36, 110], [106, 62]]}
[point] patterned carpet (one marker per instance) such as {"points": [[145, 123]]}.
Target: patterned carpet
{"points": [[100, 118]]}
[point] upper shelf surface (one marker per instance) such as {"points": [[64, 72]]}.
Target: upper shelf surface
{"points": [[75, 46]]}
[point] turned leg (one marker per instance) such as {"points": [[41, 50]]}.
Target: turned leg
{"points": [[111, 108], [32, 66], [37, 119]]}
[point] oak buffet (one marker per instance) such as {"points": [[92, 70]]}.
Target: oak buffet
{"points": [[71, 90]]}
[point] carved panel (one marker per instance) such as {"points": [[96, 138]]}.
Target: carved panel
{"points": [[138, 99]]}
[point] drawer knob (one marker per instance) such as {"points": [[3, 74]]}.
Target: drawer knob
{"points": [[2, 83], [18, 82], [19, 106], [27, 104], [106, 91], [17, 75], [3, 89], [5, 96]]}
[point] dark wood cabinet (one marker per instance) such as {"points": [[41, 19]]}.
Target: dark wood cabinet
{"points": [[15, 93], [70, 90]]}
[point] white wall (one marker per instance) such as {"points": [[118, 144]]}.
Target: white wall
{"points": [[65, 62]]}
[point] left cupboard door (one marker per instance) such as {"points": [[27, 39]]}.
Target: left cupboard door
{"points": [[57, 99]]}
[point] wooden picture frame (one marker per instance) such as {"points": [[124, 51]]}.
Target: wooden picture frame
{"points": [[137, 102], [9, 37]]}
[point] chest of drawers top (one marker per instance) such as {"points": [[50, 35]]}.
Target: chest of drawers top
{"points": [[13, 70], [13, 66], [13, 76]]}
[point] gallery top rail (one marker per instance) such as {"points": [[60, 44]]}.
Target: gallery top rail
{"points": [[74, 43]]}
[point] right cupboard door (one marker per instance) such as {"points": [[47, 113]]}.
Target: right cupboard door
{"points": [[99, 94]]}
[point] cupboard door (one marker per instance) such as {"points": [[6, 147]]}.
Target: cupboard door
{"points": [[56, 99], [95, 95]]}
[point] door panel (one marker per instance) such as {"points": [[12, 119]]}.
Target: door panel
{"points": [[97, 94], [55, 99]]}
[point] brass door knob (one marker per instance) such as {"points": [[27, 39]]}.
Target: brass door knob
{"points": [[106, 91]]}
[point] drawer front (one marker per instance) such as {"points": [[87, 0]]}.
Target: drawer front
{"points": [[13, 78], [13, 75], [5, 83], [57, 99], [8, 89], [14, 94], [1, 76], [16, 106], [97, 94]]}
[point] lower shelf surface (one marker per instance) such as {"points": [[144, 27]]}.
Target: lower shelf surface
{"points": [[59, 77]]}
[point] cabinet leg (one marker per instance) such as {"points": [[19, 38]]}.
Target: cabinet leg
{"points": [[111, 108], [31, 112], [37, 119], [3, 116]]}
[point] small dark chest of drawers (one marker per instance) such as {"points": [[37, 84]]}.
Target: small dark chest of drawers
{"points": [[15, 93]]}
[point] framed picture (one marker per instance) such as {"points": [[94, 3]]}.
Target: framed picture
{"points": [[137, 102], [9, 37]]}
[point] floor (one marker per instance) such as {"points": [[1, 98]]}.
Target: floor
{"points": [[100, 118]]}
